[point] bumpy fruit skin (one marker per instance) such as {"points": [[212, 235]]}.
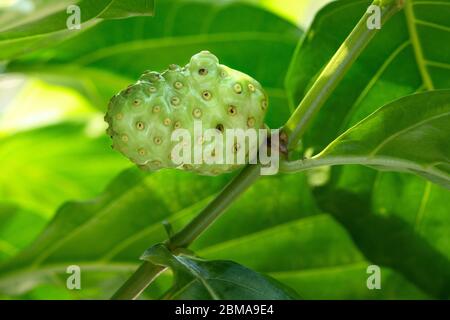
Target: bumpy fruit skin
{"points": [[142, 117]]}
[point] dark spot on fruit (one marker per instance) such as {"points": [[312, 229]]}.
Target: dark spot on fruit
{"points": [[220, 127], [232, 110], [157, 140], [206, 95], [167, 122], [141, 151], [140, 125]]}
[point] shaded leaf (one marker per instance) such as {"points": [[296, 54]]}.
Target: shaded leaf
{"points": [[401, 248], [279, 226], [201, 279]]}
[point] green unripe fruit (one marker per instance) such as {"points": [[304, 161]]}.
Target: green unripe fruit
{"points": [[142, 117]]}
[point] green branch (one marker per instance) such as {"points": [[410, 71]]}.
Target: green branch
{"points": [[294, 130], [148, 271], [334, 71]]}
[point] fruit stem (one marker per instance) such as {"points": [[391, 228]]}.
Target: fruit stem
{"points": [[333, 73]]}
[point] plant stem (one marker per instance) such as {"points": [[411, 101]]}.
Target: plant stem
{"points": [[137, 283], [208, 215], [294, 129], [333, 73], [148, 271]]}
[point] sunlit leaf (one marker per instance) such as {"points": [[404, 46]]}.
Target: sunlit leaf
{"points": [[51, 164], [39, 24], [126, 48]]}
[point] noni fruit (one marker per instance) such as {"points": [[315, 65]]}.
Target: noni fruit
{"points": [[143, 117]]}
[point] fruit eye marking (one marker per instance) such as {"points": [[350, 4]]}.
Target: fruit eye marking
{"points": [[197, 113], [136, 102], [178, 85], [251, 122], [202, 71], [264, 104], [177, 124], [167, 122], [140, 125], [157, 140], [141, 151], [251, 87], [207, 95], [156, 109], [124, 138], [151, 89], [175, 101], [232, 110], [237, 88], [119, 116]]}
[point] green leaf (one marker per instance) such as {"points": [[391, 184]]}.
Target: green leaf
{"points": [[409, 51], [46, 23], [402, 247], [410, 134], [255, 39], [55, 163], [18, 227], [128, 215], [200, 279], [260, 228], [409, 54]]}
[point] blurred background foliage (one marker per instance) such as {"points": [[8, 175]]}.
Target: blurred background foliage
{"points": [[67, 198]]}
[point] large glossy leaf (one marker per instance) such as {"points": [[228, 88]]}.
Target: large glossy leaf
{"points": [[42, 23], [402, 246], [51, 164], [126, 48], [410, 53], [410, 134], [199, 279], [282, 227]]}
